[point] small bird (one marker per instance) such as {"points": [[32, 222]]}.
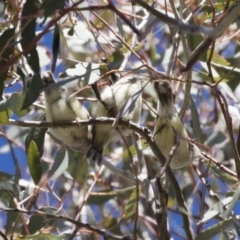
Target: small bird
{"points": [[169, 130], [115, 97], [61, 106]]}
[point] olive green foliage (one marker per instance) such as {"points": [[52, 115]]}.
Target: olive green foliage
{"points": [[52, 192]]}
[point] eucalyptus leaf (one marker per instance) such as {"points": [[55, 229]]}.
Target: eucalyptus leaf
{"points": [[33, 157], [49, 210], [55, 46], [120, 26], [132, 150], [36, 222], [32, 89], [28, 28], [101, 198], [195, 121], [14, 103], [60, 163], [224, 177], [7, 39], [44, 236], [215, 210], [130, 208], [4, 116], [212, 231], [38, 135], [4, 176], [218, 59], [78, 169], [233, 202], [9, 187]]}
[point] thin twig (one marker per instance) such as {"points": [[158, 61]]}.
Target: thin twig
{"points": [[3, 235], [38, 37], [124, 18], [164, 231], [219, 165], [218, 31], [75, 228], [182, 27], [78, 224], [224, 107], [145, 133]]}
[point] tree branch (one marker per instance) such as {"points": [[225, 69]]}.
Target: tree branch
{"points": [[65, 218], [145, 133]]}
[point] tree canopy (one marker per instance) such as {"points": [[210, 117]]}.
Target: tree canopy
{"points": [[49, 191]]}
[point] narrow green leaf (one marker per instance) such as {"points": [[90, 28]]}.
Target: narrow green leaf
{"points": [[38, 135], [4, 176], [206, 8], [99, 198], [34, 165], [4, 116], [55, 46], [49, 210], [14, 103], [78, 169], [6, 48], [60, 163], [194, 41], [120, 26], [4, 203], [209, 233], [195, 121], [44, 236], [28, 35], [233, 203], [130, 208], [32, 89], [36, 222], [218, 59], [132, 149], [215, 209], [136, 48], [11, 217], [110, 222], [183, 210], [9, 187], [219, 174], [78, 166]]}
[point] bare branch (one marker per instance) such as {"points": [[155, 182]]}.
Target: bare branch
{"points": [[182, 27], [145, 133], [218, 31], [78, 224]]}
